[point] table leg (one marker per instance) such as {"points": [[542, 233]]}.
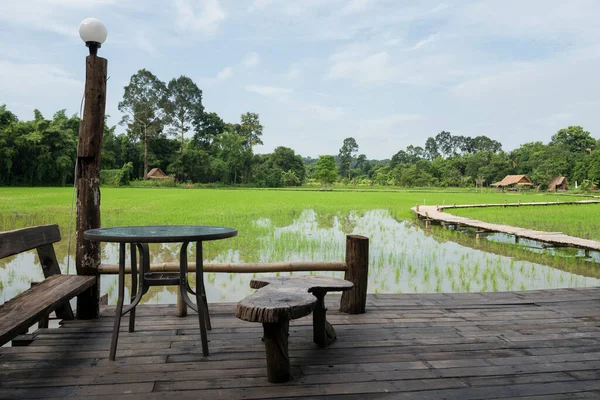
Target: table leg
{"points": [[276, 349], [183, 288], [119, 309], [133, 251], [323, 332], [200, 277]]}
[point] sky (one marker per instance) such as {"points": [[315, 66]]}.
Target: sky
{"points": [[389, 73]]}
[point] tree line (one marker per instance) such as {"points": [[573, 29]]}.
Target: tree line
{"points": [[167, 126]]}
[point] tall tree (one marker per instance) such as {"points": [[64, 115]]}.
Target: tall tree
{"points": [[144, 104], [325, 170], [250, 129], [184, 105], [431, 149], [207, 127], [444, 143], [346, 154]]}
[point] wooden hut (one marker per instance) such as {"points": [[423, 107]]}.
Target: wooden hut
{"points": [[513, 181], [558, 183], [157, 173]]}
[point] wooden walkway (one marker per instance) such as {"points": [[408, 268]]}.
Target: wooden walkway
{"points": [[527, 345], [436, 214]]}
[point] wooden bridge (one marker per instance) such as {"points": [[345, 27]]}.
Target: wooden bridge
{"points": [[436, 214], [534, 345]]}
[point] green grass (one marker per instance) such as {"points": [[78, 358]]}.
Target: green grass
{"points": [[576, 220], [20, 207], [127, 206]]}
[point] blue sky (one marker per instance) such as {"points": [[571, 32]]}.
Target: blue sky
{"points": [[388, 73]]}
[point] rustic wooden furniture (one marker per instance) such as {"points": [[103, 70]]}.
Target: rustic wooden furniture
{"points": [[280, 299], [52, 294], [139, 237]]}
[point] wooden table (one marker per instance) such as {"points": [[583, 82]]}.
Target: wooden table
{"points": [[138, 238], [281, 299]]}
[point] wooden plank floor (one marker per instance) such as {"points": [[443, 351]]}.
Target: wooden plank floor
{"points": [[554, 238], [527, 345]]}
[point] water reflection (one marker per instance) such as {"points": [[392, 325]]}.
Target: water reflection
{"points": [[403, 258]]}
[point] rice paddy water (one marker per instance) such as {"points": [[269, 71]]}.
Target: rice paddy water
{"points": [[306, 226]]}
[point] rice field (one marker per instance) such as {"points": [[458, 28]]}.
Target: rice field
{"points": [[303, 226]]}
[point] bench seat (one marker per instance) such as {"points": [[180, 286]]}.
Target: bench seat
{"points": [[22, 311]]}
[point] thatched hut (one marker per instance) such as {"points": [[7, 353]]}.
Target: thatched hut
{"points": [[558, 183], [513, 181], [157, 173]]}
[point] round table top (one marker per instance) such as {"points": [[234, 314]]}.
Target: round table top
{"points": [[160, 233]]}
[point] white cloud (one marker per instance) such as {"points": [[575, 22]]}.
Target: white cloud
{"points": [[251, 60], [198, 15], [258, 5], [225, 74], [321, 112], [49, 86], [270, 91], [355, 6], [293, 73], [429, 39]]}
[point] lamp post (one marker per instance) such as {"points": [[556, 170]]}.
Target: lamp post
{"points": [[87, 255]]}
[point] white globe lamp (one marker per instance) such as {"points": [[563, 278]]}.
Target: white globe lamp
{"points": [[93, 32]]}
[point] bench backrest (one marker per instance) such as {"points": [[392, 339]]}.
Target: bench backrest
{"points": [[20, 240], [41, 239]]}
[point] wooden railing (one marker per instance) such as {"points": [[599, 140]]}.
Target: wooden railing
{"points": [[356, 268]]}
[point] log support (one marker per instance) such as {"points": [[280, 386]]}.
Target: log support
{"points": [[587, 253], [323, 332], [276, 349], [91, 130], [354, 301]]}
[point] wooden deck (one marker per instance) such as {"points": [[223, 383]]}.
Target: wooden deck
{"points": [[434, 213], [534, 345]]}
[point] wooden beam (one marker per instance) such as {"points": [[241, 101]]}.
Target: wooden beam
{"points": [[87, 257], [250, 268]]}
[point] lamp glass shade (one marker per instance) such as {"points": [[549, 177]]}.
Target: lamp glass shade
{"points": [[92, 30]]}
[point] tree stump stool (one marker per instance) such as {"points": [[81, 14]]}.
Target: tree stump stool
{"points": [[280, 299]]}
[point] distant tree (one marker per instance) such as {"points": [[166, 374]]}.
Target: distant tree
{"points": [[183, 105], [325, 170], [484, 143], [346, 154], [443, 141], [207, 127], [431, 149], [286, 159], [250, 130], [144, 104], [574, 139], [231, 151]]}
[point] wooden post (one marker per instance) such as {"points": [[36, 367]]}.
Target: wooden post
{"points": [[354, 301], [276, 349], [87, 257]]}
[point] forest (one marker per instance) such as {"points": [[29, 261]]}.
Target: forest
{"points": [[167, 127]]}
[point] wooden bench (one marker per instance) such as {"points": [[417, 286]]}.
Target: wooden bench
{"points": [[52, 294], [280, 299]]}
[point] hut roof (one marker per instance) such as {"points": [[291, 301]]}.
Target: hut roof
{"points": [[514, 180], [157, 173], [557, 181]]}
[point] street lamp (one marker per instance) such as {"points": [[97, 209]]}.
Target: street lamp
{"points": [[93, 32], [91, 129]]}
